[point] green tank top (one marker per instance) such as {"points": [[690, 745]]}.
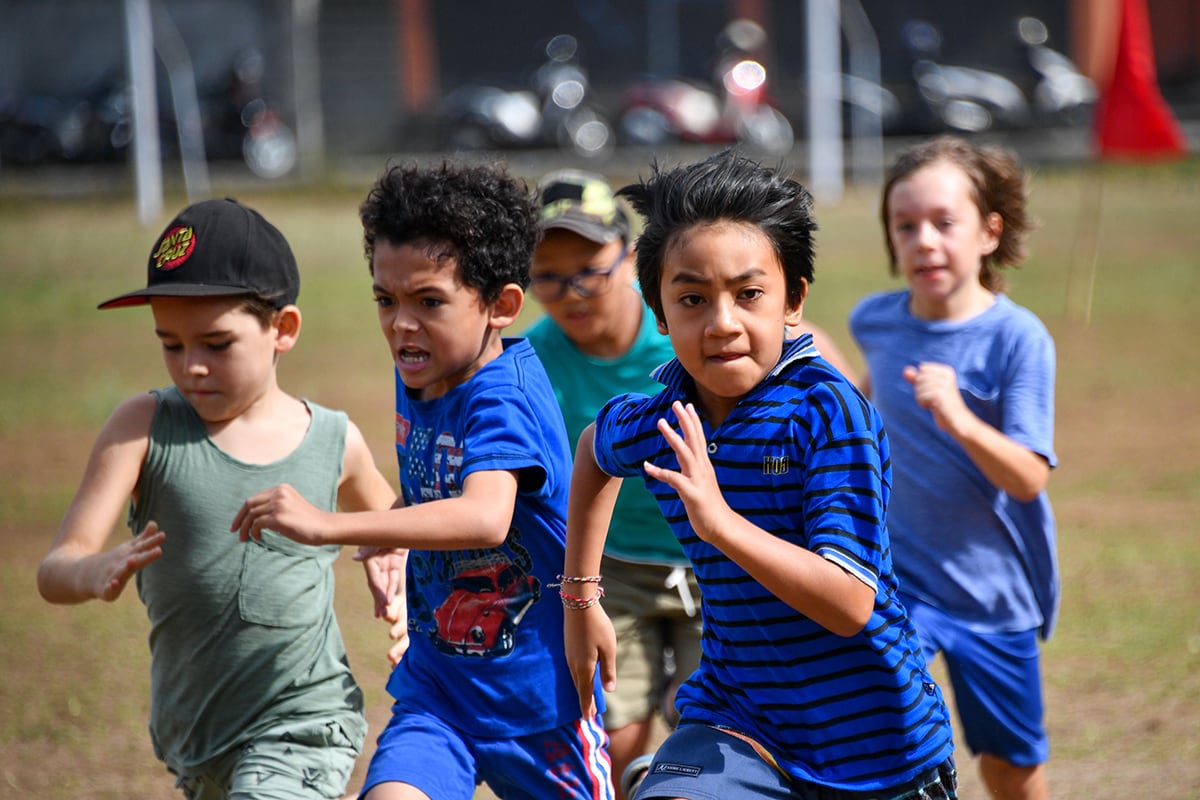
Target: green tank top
{"points": [[242, 634]]}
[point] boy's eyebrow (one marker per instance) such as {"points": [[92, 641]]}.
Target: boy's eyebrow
{"points": [[684, 276], [160, 333], [380, 289]]}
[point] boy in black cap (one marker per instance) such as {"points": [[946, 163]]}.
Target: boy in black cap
{"points": [[251, 693]]}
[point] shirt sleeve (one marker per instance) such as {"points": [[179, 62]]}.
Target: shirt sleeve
{"points": [[848, 483], [503, 433], [1028, 414], [626, 436]]}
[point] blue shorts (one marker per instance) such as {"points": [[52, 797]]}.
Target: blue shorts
{"points": [[699, 762], [996, 681], [569, 762]]}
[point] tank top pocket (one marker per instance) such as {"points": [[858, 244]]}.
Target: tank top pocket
{"points": [[281, 589]]}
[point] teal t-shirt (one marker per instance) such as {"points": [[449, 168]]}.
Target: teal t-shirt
{"points": [[582, 384]]}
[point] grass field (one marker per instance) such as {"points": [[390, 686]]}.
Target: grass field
{"points": [[1114, 273]]}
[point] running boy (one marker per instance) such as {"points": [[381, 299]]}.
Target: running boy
{"points": [[251, 693], [774, 474], [483, 692], [964, 379], [599, 339]]}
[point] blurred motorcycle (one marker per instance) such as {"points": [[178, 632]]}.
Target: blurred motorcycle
{"points": [[97, 125], [555, 111], [48, 129], [1044, 89], [1059, 93], [958, 98], [242, 123], [659, 111]]}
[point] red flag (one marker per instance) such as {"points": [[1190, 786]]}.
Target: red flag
{"points": [[1132, 119]]}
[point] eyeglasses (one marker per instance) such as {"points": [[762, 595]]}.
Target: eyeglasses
{"points": [[587, 283]]}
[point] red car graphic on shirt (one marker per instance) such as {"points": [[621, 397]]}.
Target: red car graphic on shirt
{"points": [[480, 615]]}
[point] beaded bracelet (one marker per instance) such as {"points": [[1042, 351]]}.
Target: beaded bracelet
{"points": [[579, 603], [575, 579]]}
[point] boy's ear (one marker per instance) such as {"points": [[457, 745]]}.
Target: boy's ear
{"points": [[993, 226], [660, 319], [287, 328], [629, 264], [795, 306], [507, 307]]}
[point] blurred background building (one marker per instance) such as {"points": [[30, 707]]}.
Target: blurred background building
{"points": [[347, 77]]}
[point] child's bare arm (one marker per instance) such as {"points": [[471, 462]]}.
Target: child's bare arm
{"points": [[588, 633], [809, 583], [1007, 464], [479, 517], [77, 568], [362, 486], [365, 489]]}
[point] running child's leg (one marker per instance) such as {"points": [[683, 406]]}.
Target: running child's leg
{"points": [[419, 757]]}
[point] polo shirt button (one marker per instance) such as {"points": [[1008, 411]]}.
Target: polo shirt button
{"points": [[712, 447]]}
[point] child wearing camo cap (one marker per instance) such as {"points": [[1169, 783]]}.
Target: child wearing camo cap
{"points": [[598, 339]]}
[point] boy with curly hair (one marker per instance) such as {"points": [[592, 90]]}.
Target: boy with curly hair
{"points": [[483, 692]]}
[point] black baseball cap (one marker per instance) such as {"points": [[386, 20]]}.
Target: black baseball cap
{"points": [[218, 248], [583, 203]]}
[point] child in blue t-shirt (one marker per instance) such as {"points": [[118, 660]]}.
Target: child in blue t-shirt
{"points": [[483, 692], [773, 471], [964, 379]]}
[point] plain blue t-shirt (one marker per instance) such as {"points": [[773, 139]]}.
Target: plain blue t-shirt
{"points": [[960, 543]]}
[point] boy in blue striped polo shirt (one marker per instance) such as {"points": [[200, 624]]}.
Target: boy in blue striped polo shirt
{"points": [[773, 471]]}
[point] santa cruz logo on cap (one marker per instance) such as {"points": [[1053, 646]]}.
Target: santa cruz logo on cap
{"points": [[175, 247]]}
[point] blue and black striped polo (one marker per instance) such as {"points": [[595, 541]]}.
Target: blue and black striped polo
{"points": [[805, 457]]}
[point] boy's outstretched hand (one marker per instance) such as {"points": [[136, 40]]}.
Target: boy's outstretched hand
{"points": [[696, 481], [385, 576], [589, 638], [127, 558], [385, 570], [397, 615], [285, 511]]}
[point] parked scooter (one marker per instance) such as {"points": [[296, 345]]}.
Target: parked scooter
{"points": [[49, 129], [555, 111], [1044, 88], [97, 126], [958, 98], [659, 111], [241, 123], [1060, 95]]}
